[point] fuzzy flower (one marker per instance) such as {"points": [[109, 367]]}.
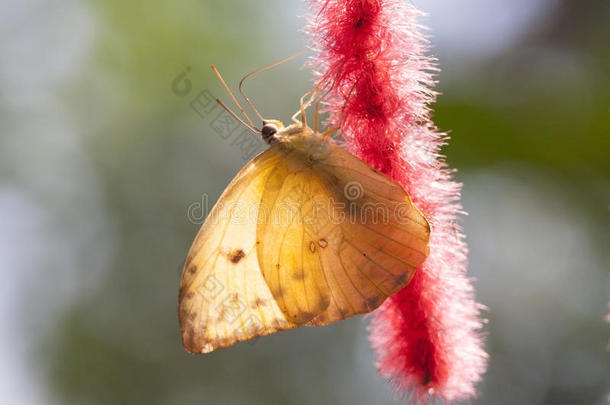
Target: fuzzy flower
{"points": [[426, 337]]}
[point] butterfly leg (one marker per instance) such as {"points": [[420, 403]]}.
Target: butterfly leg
{"points": [[315, 117], [313, 93], [330, 131], [317, 107], [316, 110], [303, 115], [302, 109], [299, 111]]}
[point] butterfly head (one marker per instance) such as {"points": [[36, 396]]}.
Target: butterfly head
{"points": [[270, 129]]}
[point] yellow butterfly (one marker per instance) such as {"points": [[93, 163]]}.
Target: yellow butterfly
{"points": [[305, 234]]}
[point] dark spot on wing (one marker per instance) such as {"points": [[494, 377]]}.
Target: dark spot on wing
{"points": [[323, 303], [279, 292], [189, 258], [182, 292], [236, 255], [299, 274], [373, 303], [188, 341], [253, 330], [321, 318], [312, 247], [323, 243], [183, 314], [402, 279], [303, 316], [258, 303], [192, 269]]}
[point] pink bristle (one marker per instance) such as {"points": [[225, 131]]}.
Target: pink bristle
{"points": [[426, 337]]}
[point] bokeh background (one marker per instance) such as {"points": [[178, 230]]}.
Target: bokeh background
{"points": [[102, 158]]}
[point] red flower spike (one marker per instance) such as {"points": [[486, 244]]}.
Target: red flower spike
{"points": [[426, 337]]}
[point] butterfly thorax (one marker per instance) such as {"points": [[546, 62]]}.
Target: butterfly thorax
{"points": [[297, 140]]}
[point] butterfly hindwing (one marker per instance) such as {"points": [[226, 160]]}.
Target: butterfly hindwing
{"points": [[223, 296]]}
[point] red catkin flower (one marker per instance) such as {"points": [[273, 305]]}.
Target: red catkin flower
{"points": [[426, 337]]}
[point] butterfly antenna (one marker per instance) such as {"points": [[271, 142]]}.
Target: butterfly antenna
{"points": [[237, 118], [233, 97], [241, 82]]}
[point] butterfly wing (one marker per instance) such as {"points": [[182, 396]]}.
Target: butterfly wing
{"points": [[223, 297], [287, 252], [336, 237], [300, 236], [374, 252]]}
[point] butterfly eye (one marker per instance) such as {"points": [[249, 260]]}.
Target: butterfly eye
{"points": [[268, 131]]}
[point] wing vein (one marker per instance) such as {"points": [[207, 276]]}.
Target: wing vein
{"points": [[368, 278]]}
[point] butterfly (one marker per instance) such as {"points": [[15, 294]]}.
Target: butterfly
{"points": [[305, 234]]}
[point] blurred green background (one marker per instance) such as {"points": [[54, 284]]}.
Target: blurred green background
{"points": [[101, 159]]}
